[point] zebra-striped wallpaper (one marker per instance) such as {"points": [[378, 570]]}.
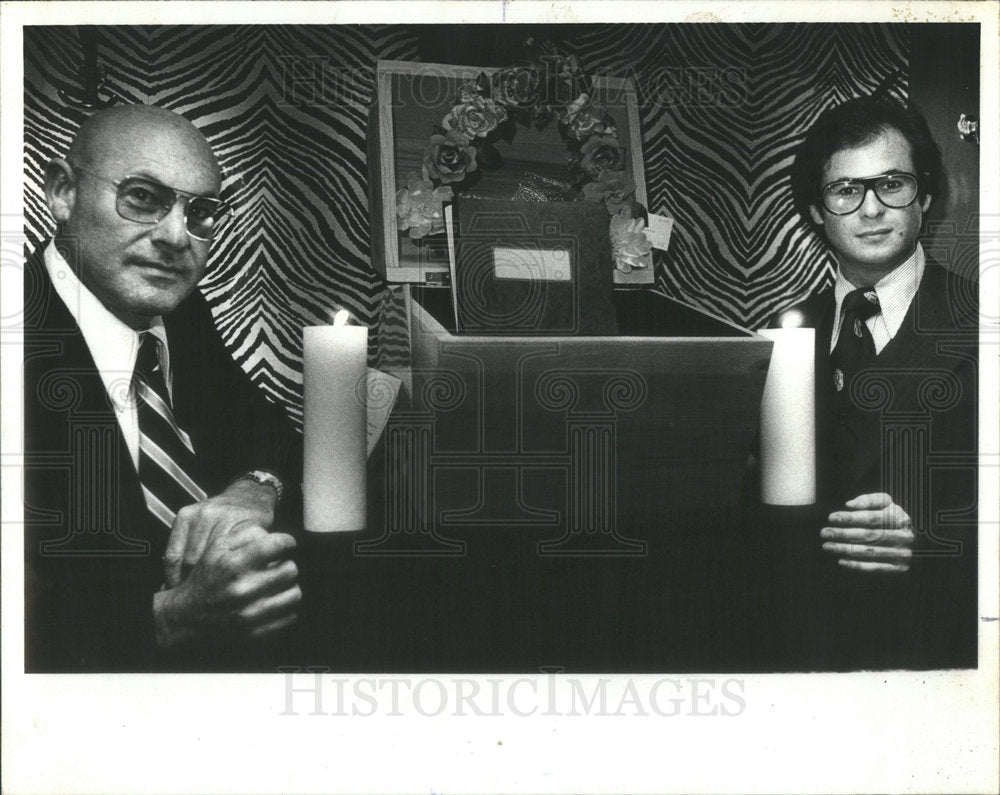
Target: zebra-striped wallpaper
{"points": [[722, 108]]}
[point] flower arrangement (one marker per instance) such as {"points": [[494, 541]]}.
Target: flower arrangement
{"points": [[550, 87]]}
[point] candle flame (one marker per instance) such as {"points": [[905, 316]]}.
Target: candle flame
{"points": [[341, 318], [791, 319]]}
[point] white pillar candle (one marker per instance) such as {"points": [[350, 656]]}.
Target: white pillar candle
{"points": [[788, 419], [335, 426]]}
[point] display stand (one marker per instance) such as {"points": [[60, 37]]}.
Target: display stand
{"points": [[570, 502]]}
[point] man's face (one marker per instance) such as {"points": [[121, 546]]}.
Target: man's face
{"points": [[874, 239], [138, 270]]}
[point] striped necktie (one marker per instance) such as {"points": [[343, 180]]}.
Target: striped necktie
{"points": [[166, 455]]}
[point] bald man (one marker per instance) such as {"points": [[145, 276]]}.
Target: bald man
{"points": [[154, 467]]}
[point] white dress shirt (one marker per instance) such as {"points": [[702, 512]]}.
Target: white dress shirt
{"points": [[113, 344], [895, 293]]}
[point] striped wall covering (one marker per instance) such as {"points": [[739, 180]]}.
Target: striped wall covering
{"points": [[286, 111], [722, 109]]}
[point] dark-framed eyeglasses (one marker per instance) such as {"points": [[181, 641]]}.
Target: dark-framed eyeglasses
{"points": [[146, 201], [895, 190]]}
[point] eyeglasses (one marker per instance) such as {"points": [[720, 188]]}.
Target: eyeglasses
{"points": [[147, 201], [847, 195]]}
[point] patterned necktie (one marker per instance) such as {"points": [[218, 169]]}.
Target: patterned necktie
{"points": [[166, 455], [855, 349]]}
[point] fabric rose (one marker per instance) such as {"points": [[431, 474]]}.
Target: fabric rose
{"points": [[468, 91], [629, 244], [449, 158], [475, 119], [619, 200], [517, 87], [601, 153], [612, 188], [583, 118], [419, 207]]}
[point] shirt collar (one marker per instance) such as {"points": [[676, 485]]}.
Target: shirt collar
{"points": [[895, 290], [113, 344]]}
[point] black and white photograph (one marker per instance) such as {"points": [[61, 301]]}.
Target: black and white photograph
{"points": [[617, 384]]}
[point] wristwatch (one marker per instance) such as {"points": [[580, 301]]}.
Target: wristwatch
{"points": [[264, 478]]}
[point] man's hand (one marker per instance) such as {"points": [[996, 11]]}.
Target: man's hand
{"points": [[244, 502], [241, 584], [872, 533]]}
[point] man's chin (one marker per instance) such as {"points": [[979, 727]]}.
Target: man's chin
{"points": [[138, 311]]}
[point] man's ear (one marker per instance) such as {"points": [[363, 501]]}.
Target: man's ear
{"points": [[60, 189], [817, 216], [925, 203]]}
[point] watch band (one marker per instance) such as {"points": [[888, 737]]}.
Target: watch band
{"points": [[264, 478]]}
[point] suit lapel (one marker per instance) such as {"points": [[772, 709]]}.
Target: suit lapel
{"points": [[70, 399]]}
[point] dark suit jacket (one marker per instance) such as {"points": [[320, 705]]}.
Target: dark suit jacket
{"points": [[909, 429], [93, 555]]}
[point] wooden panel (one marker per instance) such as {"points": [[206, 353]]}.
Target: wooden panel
{"points": [[701, 392]]}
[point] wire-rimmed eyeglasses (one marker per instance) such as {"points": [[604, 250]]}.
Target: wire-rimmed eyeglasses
{"points": [[895, 190], [147, 201]]}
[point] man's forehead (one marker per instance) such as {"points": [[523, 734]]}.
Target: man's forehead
{"points": [[162, 147], [888, 150], [185, 175]]}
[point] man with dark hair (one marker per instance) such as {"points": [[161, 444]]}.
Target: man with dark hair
{"points": [[896, 347], [851, 124], [151, 460]]}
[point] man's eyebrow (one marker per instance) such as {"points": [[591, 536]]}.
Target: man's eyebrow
{"points": [[147, 174], [885, 173], [152, 177]]}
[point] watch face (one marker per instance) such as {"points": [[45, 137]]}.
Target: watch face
{"points": [[266, 479]]}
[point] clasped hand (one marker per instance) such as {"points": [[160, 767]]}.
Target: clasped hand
{"points": [[225, 571], [244, 502], [871, 533]]}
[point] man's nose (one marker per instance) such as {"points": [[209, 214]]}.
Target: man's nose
{"points": [[172, 228], [870, 205]]}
